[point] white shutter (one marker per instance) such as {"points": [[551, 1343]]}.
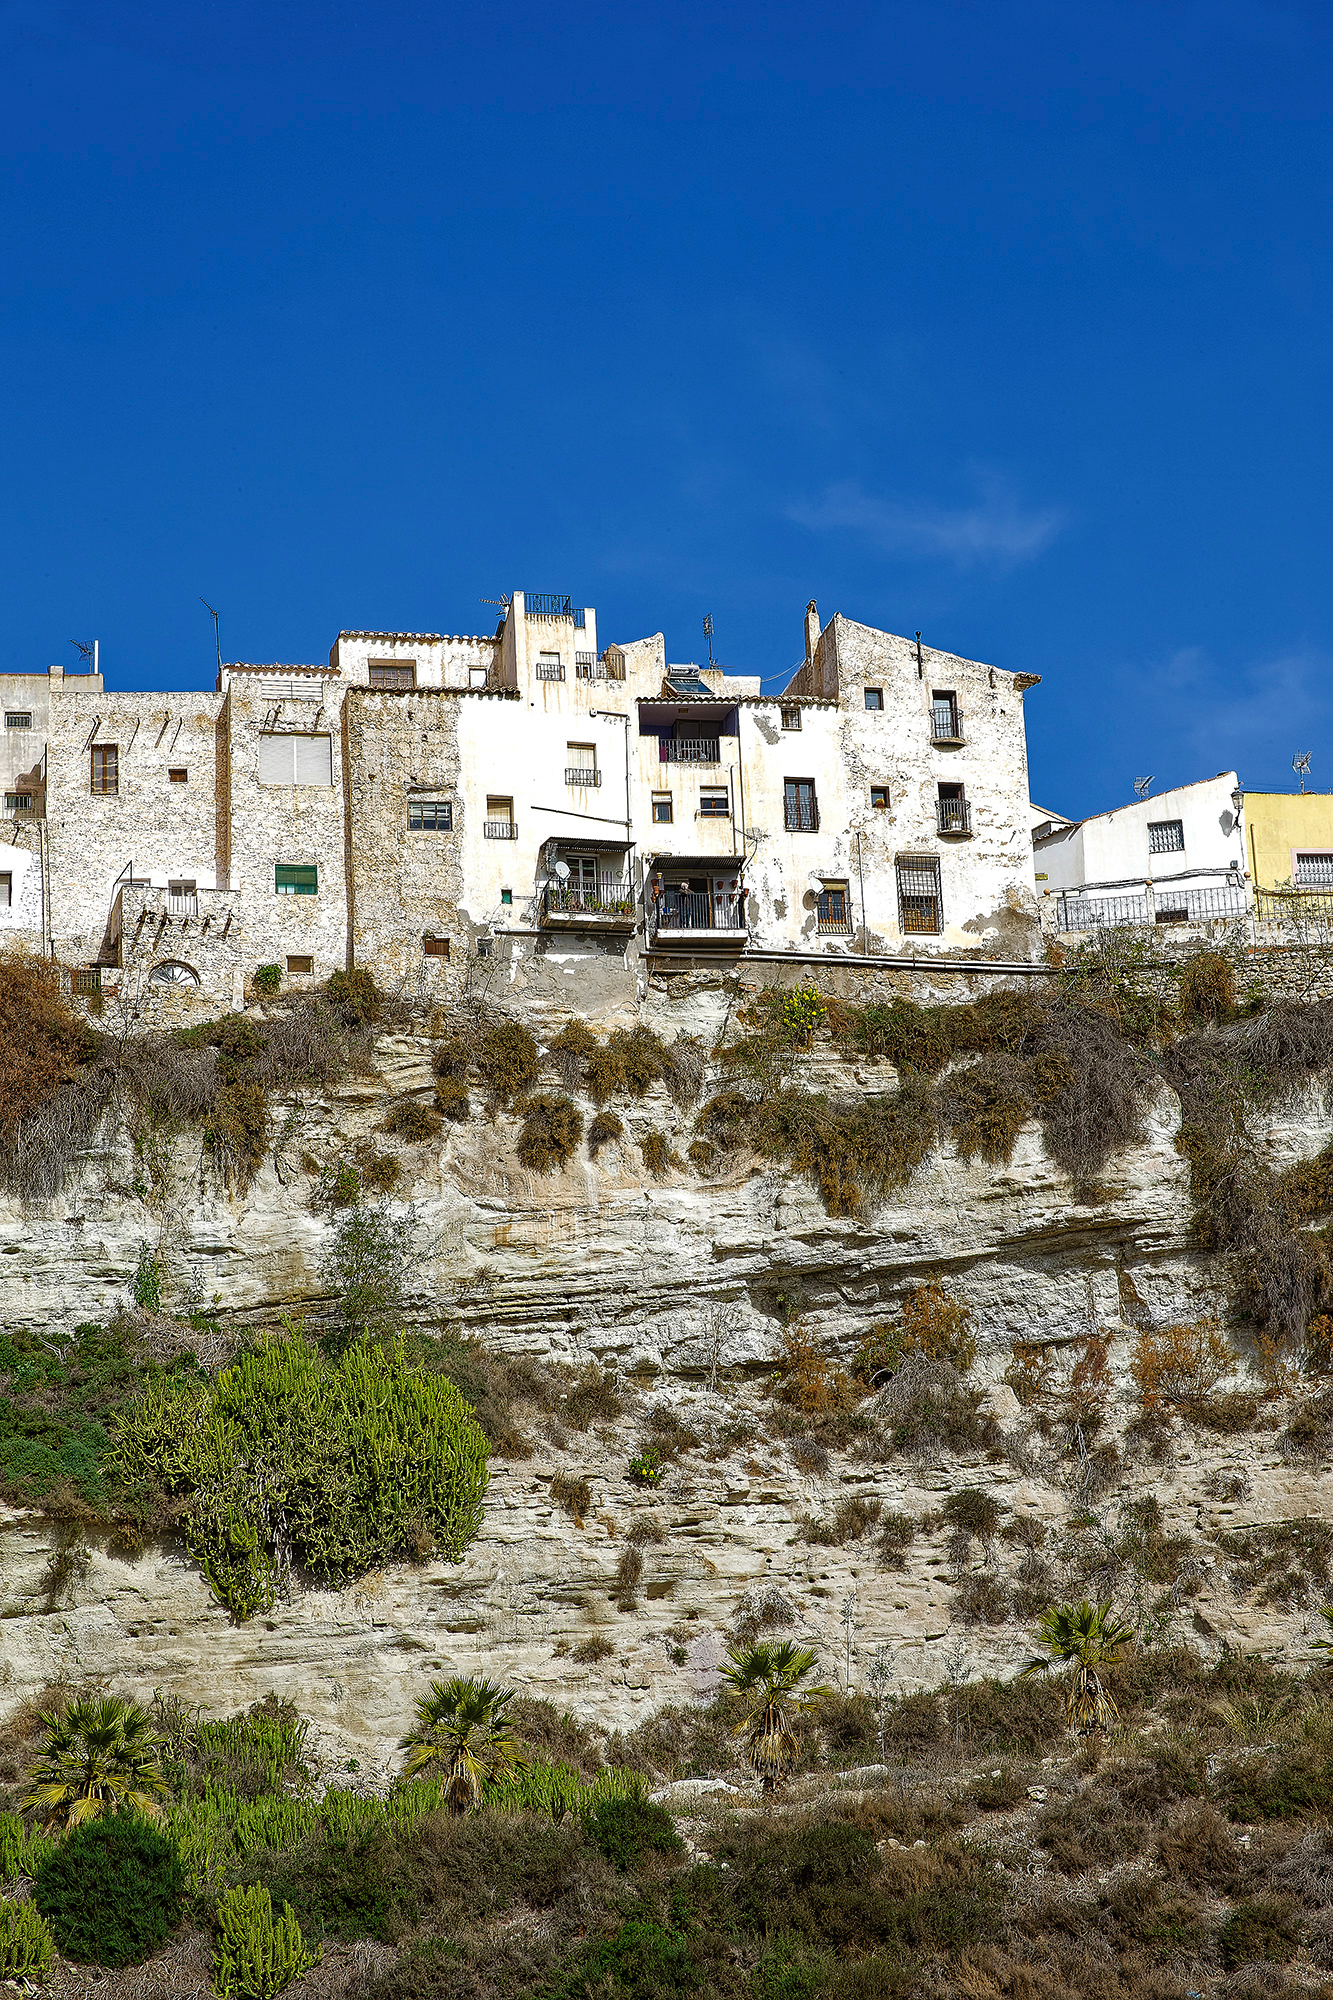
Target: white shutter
{"points": [[275, 759], [314, 760]]}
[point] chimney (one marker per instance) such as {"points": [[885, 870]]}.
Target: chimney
{"points": [[811, 629]]}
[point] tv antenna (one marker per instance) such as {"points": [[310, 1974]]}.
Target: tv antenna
{"points": [[217, 635], [87, 652], [501, 603], [708, 634], [1300, 764], [1141, 787]]}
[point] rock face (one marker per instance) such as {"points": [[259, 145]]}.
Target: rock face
{"points": [[680, 1285]]}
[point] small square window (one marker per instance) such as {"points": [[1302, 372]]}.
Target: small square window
{"points": [[476, 677], [178, 775], [791, 718], [393, 676], [485, 947], [1166, 836], [298, 961], [105, 769], [430, 815], [831, 912], [6, 890], [714, 805], [879, 797], [18, 802], [292, 880], [18, 719], [506, 897], [435, 947], [874, 698], [662, 808]]}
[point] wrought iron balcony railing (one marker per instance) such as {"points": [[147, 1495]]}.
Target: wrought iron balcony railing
{"points": [[801, 815], [697, 910], [582, 774], [694, 750], [500, 829], [954, 815], [946, 722]]}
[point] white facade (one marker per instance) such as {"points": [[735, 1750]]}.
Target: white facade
{"points": [[1178, 857]]}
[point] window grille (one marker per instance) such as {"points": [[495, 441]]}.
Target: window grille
{"points": [[291, 691], [946, 718], [800, 806], [295, 880], [106, 769], [920, 906], [393, 676], [430, 815], [1166, 836], [1314, 871], [17, 719], [874, 698], [832, 909], [714, 805], [791, 718], [18, 802]]}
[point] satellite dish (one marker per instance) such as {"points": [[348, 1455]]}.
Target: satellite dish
{"points": [[562, 870], [815, 884]]}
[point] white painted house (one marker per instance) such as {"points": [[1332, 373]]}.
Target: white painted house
{"points": [[1176, 858]]}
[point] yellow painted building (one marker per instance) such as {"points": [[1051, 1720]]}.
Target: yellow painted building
{"points": [[1289, 839]]}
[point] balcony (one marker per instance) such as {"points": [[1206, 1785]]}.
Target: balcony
{"points": [[695, 750], [582, 774], [683, 913], [946, 722], [610, 667], [1162, 904], [550, 670], [500, 829], [801, 815], [607, 904], [834, 926], [182, 903], [954, 816]]}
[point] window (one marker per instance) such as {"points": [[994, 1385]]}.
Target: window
{"points": [[106, 769], [430, 815], [874, 698], [550, 667], [1313, 871], [946, 718], [832, 909], [499, 824], [791, 718], [17, 719], [291, 880], [288, 758], [800, 807], [879, 797], [581, 765], [6, 890], [178, 775], [394, 676], [300, 961], [714, 804], [311, 690], [183, 897], [919, 903], [476, 677], [18, 802], [1166, 836], [506, 897], [433, 947], [662, 808], [952, 811]]}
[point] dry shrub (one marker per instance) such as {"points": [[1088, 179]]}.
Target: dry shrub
{"points": [[594, 1398], [451, 1057], [656, 1153], [551, 1131], [1205, 989], [1176, 1367], [924, 1409], [1306, 1190], [852, 1522], [985, 1104], [851, 1157], [930, 1323], [412, 1121], [897, 1532], [574, 1495], [804, 1377], [507, 1060], [972, 1511], [686, 1065], [1091, 1830], [1099, 1110], [570, 1051], [452, 1099], [1199, 1848], [604, 1128], [633, 1060], [42, 1041], [981, 1599], [629, 1574], [592, 1650], [237, 1132], [1030, 1374], [701, 1154], [808, 1455]]}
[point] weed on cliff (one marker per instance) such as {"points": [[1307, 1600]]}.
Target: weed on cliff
{"points": [[550, 1134]]}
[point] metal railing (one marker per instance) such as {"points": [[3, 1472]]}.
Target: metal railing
{"points": [[551, 604], [182, 903], [1162, 905], [698, 910], [946, 722], [609, 897], [835, 926], [610, 666], [582, 774], [500, 829], [694, 750], [550, 670], [1293, 906], [85, 979], [954, 815], [801, 815]]}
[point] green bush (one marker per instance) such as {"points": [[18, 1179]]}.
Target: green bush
{"points": [[257, 1956], [146, 1286], [412, 1121], [21, 1852], [26, 1944], [803, 1014], [268, 978], [451, 1097], [287, 1455], [1262, 1928], [112, 1890], [355, 996], [640, 1961]]}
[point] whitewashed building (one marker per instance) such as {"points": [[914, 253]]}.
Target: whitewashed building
{"points": [[1175, 858]]}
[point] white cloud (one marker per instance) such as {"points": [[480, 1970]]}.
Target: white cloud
{"points": [[996, 529], [1252, 717]]}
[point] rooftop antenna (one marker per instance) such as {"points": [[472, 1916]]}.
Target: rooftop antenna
{"points": [[217, 636], [708, 634], [920, 663], [1141, 787], [501, 603], [87, 652], [1300, 764]]}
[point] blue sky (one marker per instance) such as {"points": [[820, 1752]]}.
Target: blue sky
{"points": [[1008, 322]]}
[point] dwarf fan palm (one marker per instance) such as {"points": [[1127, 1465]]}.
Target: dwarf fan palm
{"points": [[463, 1732], [98, 1757], [772, 1676], [1084, 1637]]}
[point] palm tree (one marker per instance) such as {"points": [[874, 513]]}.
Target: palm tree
{"points": [[462, 1730], [772, 1678], [1085, 1637], [100, 1756]]}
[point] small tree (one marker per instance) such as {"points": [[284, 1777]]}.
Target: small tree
{"points": [[368, 1265], [462, 1731], [99, 1757], [1083, 1637], [772, 1676]]}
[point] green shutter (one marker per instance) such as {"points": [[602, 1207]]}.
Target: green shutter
{"points": [[294, 881]]}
